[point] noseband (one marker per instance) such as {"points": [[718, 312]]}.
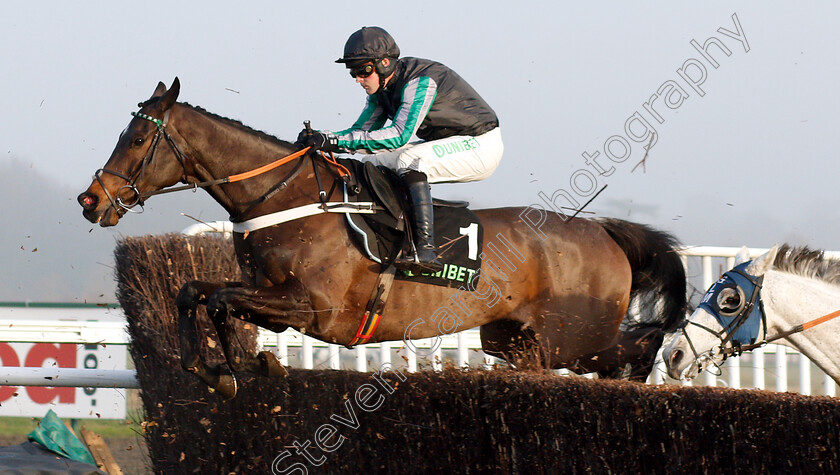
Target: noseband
{"points": [[741, 325], [131, 179]]}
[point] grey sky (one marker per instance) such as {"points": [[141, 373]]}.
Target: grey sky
{"points": [[752, 161]]}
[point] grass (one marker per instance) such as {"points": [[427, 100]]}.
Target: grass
{"points": [[109, 428]]}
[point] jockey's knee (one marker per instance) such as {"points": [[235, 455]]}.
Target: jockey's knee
{"points": [[408, 162], [410, 177]]}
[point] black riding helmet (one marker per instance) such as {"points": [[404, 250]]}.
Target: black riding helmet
{"points": [[371, 43]]}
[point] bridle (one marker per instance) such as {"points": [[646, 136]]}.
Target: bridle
{"points": [[132, 178], [744, 317], [729, 346]]}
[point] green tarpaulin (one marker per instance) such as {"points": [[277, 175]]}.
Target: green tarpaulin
{"points": [[57, 438]]}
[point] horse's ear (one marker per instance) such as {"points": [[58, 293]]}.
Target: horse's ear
{"points": [[159, 90], [742, 256], [170, 96], [763, 263]]}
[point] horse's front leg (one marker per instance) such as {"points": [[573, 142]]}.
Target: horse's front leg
{"points": [[192, 295], [274, 308]]}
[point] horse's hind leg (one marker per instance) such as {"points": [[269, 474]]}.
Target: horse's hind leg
{"points": [[636, 348], [192, 295], [632, 357], [513, 342]]}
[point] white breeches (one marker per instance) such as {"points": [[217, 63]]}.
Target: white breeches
{"points": [[456, 159]]}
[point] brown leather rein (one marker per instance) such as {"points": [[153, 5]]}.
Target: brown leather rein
{"points": [[182, 158]]}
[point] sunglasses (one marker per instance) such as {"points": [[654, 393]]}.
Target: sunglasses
{"points": [[362, 71]]}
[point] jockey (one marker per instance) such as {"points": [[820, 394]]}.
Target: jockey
{"points": [[459, 134]]}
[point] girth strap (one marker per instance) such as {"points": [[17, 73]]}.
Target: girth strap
{"points": [[375, 307]]}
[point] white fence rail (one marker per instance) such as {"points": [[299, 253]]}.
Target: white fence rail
{"points": [[69, 377], [770, 368], [703, 264], [77, 332], [70, 331]]}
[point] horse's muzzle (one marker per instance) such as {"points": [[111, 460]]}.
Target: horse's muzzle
{"points": [[88, 200], [97, 211]]}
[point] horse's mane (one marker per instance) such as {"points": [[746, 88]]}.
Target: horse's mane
{"points": [[807, 263], [239, 125], [235, 123]]}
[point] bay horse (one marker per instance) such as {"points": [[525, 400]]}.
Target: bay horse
{"points": [[776, 297], [565, 299]]}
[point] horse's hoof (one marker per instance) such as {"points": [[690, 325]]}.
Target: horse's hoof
{"points": [[226, 386], [270, 366]]}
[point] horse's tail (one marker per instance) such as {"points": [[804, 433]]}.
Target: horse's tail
{"points": [[658, 273]]}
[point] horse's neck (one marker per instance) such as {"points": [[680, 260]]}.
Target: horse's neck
{"points": [[221, 149], [791, 300]]}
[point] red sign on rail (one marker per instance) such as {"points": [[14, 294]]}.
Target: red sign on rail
{"points": [[67, 402]]}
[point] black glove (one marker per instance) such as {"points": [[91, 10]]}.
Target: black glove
{"points": [[318, 140], [302, 136]]}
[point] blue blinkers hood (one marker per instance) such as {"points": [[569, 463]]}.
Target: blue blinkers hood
{"points": [[745, 327]]}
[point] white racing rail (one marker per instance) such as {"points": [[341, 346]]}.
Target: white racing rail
{"points": [[69, 377], [77, 332]]}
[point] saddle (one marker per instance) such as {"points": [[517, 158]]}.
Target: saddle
{"points": [[382, 236]]}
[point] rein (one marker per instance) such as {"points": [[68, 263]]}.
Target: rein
{"points": [[336, 168], [231, 178], [797, 329], [116, 202], [161, 125]]}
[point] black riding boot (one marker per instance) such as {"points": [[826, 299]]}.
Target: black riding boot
{"points": [[424, 240]]}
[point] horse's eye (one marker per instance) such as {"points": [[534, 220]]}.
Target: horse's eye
{"points": [[729, 301], [139, 141]]}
